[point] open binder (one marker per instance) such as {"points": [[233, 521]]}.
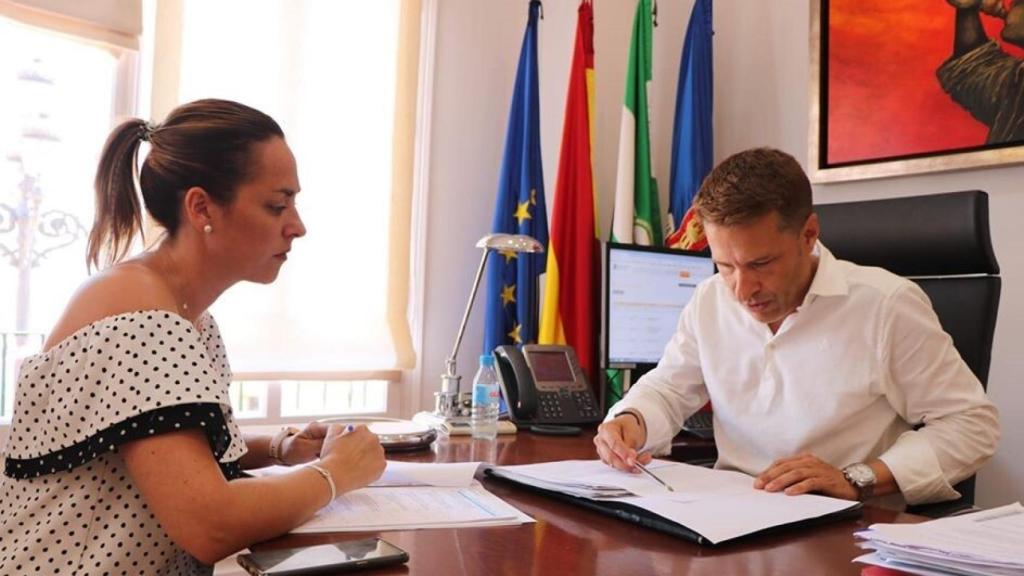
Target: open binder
{"points": [[708, 507]]}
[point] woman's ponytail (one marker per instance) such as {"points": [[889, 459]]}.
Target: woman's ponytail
{"points": [[118, 212]]}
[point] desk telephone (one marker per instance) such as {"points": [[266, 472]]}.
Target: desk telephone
{"points": [[544, 384]]}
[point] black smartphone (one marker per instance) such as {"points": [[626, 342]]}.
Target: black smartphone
{"points": [[324, 558]]}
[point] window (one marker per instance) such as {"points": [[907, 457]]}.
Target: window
{"points": [[331, 334], [61, 96], [335, 75]]}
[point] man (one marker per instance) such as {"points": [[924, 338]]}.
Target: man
{"points": [[980, 76], [818, 369]]}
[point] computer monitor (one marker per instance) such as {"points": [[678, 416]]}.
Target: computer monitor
{"points": [[646, 289]]}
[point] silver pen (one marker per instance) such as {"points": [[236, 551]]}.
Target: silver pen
{"points": [[652, 475]]}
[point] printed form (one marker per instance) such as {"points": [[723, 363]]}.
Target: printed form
{"points": [[410, 496]]}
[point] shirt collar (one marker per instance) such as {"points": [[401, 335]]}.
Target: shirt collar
{"points": [[829, 279]]}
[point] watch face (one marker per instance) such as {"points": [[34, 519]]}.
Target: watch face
{"points": [[860, 474]]}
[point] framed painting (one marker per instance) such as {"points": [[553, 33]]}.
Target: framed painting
{"points": [[904, 86]]}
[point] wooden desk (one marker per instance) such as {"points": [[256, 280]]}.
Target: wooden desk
{"points": [[567, 540]]}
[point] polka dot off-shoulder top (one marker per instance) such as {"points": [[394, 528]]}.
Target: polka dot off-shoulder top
{"points": [[67, 503]]}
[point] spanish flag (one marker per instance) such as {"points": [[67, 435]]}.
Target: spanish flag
{"points": [[570, 311]]}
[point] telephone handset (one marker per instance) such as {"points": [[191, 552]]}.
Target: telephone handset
{"points": [[544, 384]]}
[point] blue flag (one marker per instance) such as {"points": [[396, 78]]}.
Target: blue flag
{"points": [[512, 297], [692, 142]]}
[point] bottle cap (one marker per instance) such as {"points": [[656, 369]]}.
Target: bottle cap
{"points": [[486, 360]]}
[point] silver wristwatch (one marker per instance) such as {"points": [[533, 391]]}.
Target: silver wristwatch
{"points": [[861, 477]]}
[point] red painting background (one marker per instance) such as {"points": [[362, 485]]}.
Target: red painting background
{"points": [[884, 100]]}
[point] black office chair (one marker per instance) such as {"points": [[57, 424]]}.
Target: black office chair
{"points": [[941, 242]]}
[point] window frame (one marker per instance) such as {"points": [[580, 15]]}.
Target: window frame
{"points": [[394, 403], [127, 62]]}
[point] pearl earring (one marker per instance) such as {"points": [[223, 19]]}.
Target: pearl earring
{"points": [[207, 229]]}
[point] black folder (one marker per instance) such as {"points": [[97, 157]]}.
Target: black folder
{"points": [[648, 519]]}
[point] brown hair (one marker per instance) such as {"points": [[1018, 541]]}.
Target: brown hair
{"points": [[751, 184], [206, 143]]}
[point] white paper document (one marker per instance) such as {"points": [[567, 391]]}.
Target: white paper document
{"points": [[397, 473], [458, 474], [717, 504], [413, 495], [392, 508], [986, 542]]}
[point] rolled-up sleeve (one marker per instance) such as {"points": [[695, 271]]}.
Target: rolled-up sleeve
{"points": [[930, 385], [674, 389]]}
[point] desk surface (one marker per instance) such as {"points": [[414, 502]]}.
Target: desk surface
{"points": [[567, 540]]}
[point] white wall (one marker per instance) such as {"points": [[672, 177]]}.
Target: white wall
{"points": [[761, 98]]}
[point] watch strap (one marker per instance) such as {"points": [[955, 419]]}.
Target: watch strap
{"points": [[276, 443]]}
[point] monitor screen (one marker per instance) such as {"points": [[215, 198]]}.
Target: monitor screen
{"points": [[646, 289]]}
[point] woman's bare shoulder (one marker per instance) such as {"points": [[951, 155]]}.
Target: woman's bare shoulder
{"points": [[126, 287]]}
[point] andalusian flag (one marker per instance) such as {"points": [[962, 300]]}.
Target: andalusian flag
{"points": [[637, 218], [512, 298], [692, 137], [570, 308]]}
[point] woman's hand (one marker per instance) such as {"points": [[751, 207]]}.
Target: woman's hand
{"points": [[354, 458], [304, 446]]}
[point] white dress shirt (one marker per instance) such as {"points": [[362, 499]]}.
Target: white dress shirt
{"points": [[847, 376]]}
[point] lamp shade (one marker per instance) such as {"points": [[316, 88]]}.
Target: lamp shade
{"points": [[510, 242]]}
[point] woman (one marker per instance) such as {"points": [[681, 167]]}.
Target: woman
{"points": [[123, 455]]}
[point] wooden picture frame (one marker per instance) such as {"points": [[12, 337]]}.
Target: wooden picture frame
{"points": [[873, 112]]}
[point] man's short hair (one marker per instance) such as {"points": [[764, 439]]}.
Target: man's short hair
{"points": [[751, 184]]}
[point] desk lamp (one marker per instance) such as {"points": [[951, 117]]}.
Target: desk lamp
{"points": [[451, 404]]}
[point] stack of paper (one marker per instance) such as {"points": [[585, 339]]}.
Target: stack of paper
{"points": [[987, 542], [564, 476]]}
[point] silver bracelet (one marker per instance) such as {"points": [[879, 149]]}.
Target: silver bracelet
{"points": [[327, 476]]}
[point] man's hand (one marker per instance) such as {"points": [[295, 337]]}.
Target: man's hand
{"points": [[617, 441], [803, 474]]}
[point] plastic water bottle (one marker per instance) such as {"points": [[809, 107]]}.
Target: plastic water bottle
{"points": [[486, 396]]}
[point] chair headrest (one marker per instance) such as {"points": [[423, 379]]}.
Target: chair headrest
{"points": [[934, 235]]}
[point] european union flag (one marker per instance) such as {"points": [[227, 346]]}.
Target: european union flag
{"points": [[692, 148], [512, 279]]}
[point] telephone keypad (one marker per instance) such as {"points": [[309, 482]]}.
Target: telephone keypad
{"points": [[554, 405], [550, 406], [584, 402]]}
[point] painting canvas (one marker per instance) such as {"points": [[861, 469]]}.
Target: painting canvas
{"points": [[905, 86]]}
